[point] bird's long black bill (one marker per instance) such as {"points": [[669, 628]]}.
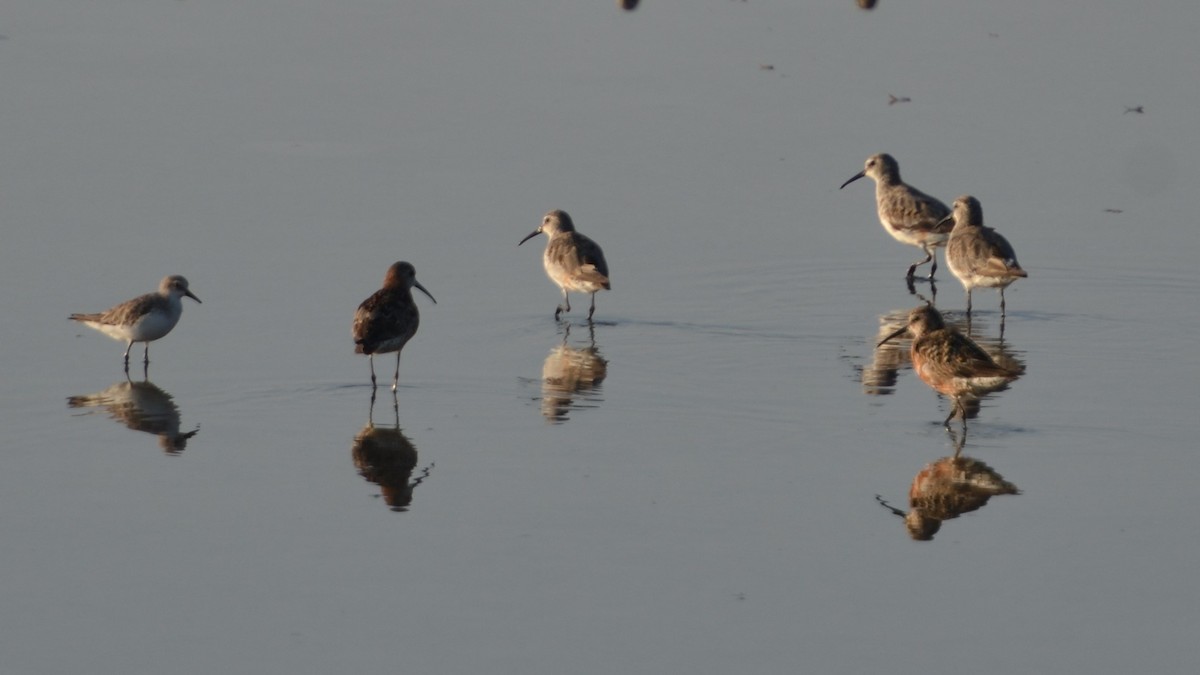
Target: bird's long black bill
{"points": [[853, 178], [898, 333]]}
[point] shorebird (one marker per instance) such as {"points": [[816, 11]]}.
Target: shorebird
{"points": [[909, 215], [978, 255], [387, 320], [572, 261], [951, 363], [893, 100], [145, 318]]}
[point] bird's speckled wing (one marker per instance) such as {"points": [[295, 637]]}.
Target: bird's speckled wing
{"points": [[909, 208], [123, 314], [381, 319], [593, 267]]}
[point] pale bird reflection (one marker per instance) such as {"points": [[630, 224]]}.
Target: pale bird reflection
{"points": [[947, 488], [141, 406], [386, 457], [571, 373]]}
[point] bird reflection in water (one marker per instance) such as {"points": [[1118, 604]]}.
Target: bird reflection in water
{"points": [[946, 489], [386, 457], [953, 364], [570, 373], [141, 406]]}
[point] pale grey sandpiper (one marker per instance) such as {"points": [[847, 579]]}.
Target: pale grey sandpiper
{"points": [[145, 318], [387, 320], [572, 261], [978, 255], [909, 215], [951, 363]]}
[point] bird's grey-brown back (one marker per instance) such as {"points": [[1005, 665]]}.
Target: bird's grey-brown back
{"points": [[908, 214], [572, 260]]}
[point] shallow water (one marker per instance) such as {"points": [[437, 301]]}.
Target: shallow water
{"points": [[694, 488]]}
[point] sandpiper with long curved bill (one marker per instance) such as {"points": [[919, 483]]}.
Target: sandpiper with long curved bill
{"points": [[387, 320], [145, 318], [572, 261], [951, 363], [909, 215]]}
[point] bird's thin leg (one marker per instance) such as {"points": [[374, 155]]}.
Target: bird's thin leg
{"points": [[959, 442], [933, 257], [146, 355], [396, 375], [593, 308], [1002, 301], [912, 270], [127, 348], [564, 307], [371, 360], [968, 302], [396, 408], [955, 410]]}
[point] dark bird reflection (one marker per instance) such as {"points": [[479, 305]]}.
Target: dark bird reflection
{"points": [[386, 457], [141, 406], [947, 488], [571, 377], [945, 357]]}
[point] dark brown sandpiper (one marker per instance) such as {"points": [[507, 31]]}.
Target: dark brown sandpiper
{"points": [[145, 318], [909, 215], [949, 362], [387, 320], [978, 255], [572, 261]]}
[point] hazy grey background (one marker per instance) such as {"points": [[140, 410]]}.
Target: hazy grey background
{"points": [[709, 508]]}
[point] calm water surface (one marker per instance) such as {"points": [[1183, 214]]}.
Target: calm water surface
{"points": [[688, 485]]}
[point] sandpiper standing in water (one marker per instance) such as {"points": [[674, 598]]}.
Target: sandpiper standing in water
{"points": [[909, 215], [950, 362], [572, 261], [145, 318], [387, 320], [978, 255]]}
